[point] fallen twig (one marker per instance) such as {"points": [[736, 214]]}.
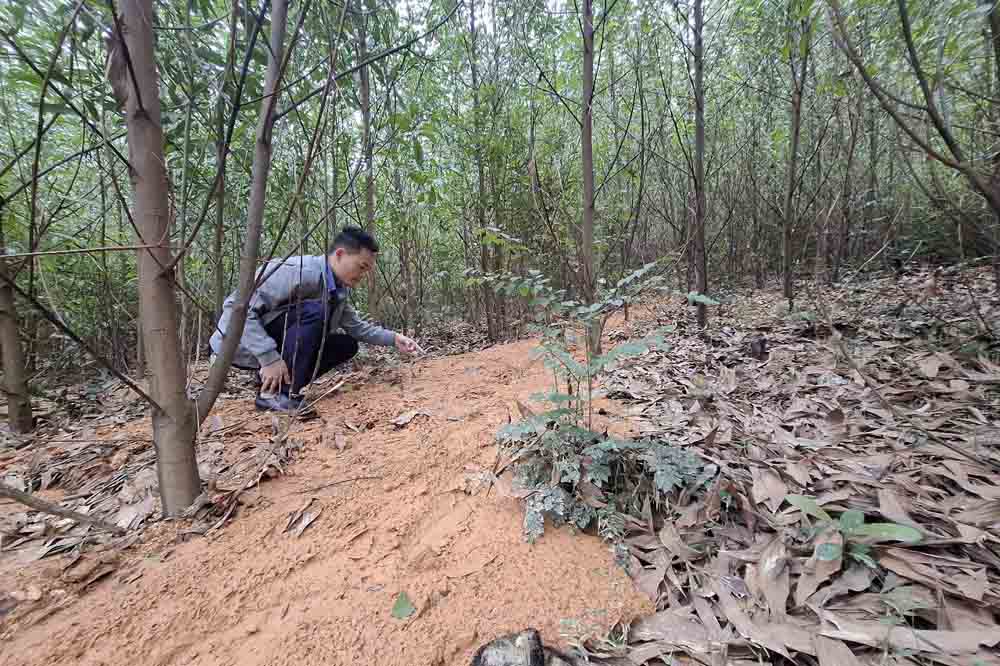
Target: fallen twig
{"points": [[323, 395], [336, 483], [56, 510]]}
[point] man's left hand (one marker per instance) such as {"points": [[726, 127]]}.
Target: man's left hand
{"points": [[407, 345]]}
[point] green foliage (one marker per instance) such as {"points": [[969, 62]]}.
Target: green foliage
{"points": [[808, 506], [403, 608], [858, 535], [431, 141], [569, 467]]}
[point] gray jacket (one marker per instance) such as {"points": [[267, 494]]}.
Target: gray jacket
{"points": [[296, 279]]}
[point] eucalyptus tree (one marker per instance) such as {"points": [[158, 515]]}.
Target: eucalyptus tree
{"points": [[935, 96]]}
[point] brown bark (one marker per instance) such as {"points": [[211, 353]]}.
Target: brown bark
{"points": [[587, 276], [39, 504], [699, 262], [174, 422], [798, 72], [374, 297], [255, 209], [488, 296], [15, 380]]}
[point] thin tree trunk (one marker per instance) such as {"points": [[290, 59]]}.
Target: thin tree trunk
{"points": [[174, 422], [700, 263], [15, 378], [847, 192], [374, 297], [994, 112], [185, 161], [104, 298], [220, 146], [334, 188], [798, 73], [220, 221], [587, 276], [260, 171], [488, 296]]}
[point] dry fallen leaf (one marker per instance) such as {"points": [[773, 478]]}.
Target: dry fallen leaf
{"points": [[405, 418], [929, 366], [673, 629], [891, 506], [308, 518], [768, 488], [799, 472], [672, 540], [879, 634], [832, 652], [771, 577], [826, 560]]}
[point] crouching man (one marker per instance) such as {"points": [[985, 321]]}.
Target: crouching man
{"points": [[290, 333]]}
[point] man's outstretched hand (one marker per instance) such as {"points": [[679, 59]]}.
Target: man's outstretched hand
{"points": [[273, 376], [407, 345]]}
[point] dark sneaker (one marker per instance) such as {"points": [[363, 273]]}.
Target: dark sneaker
{"points": [[285, 404]]}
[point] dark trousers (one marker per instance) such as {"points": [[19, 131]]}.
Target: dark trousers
{"points": [[301, 334]]}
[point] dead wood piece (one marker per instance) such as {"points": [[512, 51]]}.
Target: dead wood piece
{"points": [[56, 510]]}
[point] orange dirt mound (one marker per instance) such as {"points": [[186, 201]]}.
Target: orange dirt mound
{"points": [[255, 594]]}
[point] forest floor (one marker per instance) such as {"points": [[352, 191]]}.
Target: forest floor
{"points": [[855, 518], [416, 520]]}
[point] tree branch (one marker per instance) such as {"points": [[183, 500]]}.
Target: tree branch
{"points": [[231, 126], [55, 321], [39, 504], [24, 151], [844, 41], [375, 58], [932, 111], [34, 68], [125, 53]]}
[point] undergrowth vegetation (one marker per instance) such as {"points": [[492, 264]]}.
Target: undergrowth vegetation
{"points": [[568, 471]]}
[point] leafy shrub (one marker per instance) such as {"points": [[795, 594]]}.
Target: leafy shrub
{"points": [[568, 472]]}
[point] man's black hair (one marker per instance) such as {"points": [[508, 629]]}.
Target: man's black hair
{"points": [[354, 239]]}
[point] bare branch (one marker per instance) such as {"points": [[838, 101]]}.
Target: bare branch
{"points": [[128, 58], [38, 504], [932, 111], [55, 321]]}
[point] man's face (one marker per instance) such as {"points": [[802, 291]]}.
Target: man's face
{"points": [[351, 267]]}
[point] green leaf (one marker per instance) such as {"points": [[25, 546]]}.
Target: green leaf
{"points": [[851, 520], [54, 108], [808, 506], [889, 532], [418, 151], [828, 552], [702, 299], [18, 12], [861, 553], [403, 608]]}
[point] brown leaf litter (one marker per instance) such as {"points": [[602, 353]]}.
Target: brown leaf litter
{"points": [[880, 409]]}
